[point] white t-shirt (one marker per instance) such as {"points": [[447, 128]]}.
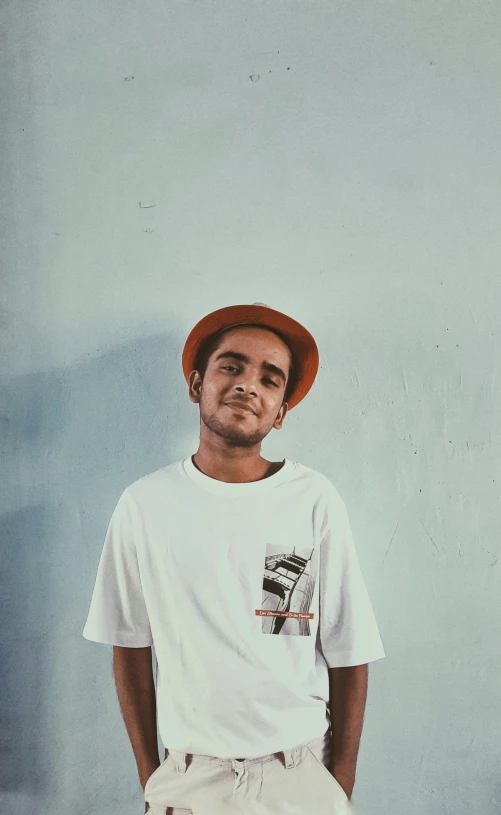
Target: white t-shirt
{"points": [[248, 592]]}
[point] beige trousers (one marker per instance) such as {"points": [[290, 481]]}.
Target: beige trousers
{"points": [[291, 782]]}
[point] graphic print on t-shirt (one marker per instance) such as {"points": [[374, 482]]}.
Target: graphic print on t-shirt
{"points": [[288, 585]]}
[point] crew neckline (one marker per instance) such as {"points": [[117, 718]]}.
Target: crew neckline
{"points": [[237, 488]]}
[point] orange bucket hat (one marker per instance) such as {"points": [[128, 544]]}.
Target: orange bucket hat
{"points": [[304, 347]]}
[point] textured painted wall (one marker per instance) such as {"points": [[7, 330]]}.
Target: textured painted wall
{"points": [[340, 162]]}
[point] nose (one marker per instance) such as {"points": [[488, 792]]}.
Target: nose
{"points": [[242, 389], [247, 381]]}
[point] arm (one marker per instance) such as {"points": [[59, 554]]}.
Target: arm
{"points": [[136, 693], [347, 698]]}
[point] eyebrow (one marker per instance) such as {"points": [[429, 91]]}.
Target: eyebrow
{"points": [[267, 366]]}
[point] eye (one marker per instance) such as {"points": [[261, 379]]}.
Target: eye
{"points": [[232, 367]]}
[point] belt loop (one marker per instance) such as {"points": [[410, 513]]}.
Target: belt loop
{"points": [[179, 761], [290, 757]]}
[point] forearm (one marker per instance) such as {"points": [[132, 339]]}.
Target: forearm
{"points": [[347, 699], [135, 685]]}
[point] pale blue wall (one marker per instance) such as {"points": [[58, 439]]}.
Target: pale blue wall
{"points": [[358, 192]]}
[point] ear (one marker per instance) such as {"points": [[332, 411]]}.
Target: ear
{"points": [[195, 387], [281, 416]]}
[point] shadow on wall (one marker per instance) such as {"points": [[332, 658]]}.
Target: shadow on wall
{"points": [[74, 439], [24, 593]]}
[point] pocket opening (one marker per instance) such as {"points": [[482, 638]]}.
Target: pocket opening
{"points": [[324, 768], [154, 773]]}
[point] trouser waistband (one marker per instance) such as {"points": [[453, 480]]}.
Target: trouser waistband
{"points": [[291, 756]]}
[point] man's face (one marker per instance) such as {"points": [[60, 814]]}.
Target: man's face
{"points": [[249, 380]]}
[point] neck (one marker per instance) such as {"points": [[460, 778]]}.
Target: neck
{"points": [[239, 469]]}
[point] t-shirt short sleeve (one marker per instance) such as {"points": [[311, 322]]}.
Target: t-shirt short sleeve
{"points": [[349, 634], [118, 614]]}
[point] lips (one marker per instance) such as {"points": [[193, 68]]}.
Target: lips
{"points": [[240, 406]]}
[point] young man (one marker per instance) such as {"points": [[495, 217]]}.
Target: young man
{"points": [[243, 574]]}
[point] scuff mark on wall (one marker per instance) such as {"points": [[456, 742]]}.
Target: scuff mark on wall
{"points": [[433, 542], [391, 540]]}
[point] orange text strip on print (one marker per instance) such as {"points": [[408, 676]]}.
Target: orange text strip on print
{"points": [[298, 615]]}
